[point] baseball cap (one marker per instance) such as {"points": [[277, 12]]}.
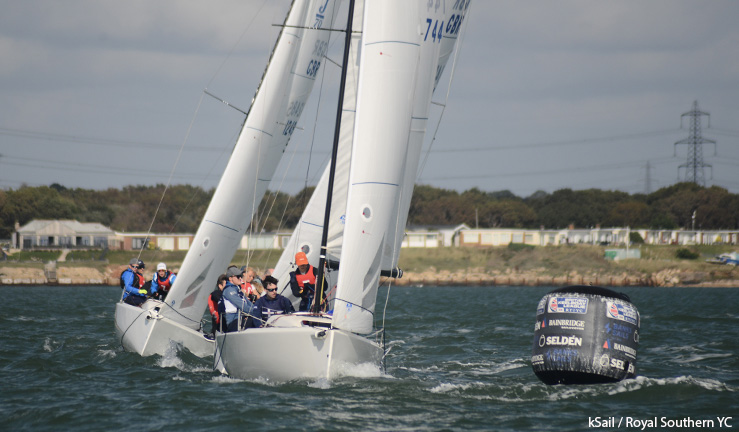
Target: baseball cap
{"points": [[233, 271]]}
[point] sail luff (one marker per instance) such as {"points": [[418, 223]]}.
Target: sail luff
{"points": [[276, 108]]}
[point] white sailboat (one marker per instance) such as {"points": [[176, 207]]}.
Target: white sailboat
{"points": [[397, 63], [276, 108]]}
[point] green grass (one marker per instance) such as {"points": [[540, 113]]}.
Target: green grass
{"points": [[559, 260], [261, 259], [545, 261], [34, 256]]}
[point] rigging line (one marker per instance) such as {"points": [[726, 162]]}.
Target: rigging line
{"points": [[384, 310], [238, 41], [254, 206], [274, 201], [458, 48], [183, 316], [130, 325], [228, 104], [264, 215], [315, 122], [202, 183], [171, 173]]}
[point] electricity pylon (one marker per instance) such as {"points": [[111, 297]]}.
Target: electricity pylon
{"points": [[694, 165]]}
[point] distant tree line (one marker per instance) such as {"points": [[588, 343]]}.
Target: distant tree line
{"points": [[133, 208]]}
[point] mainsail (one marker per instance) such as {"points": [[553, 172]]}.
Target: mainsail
{"points": [[391, 56], [275, 111]]}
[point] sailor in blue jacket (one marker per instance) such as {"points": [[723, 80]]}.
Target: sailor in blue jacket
{"points": [[233, 302], [132, 283], [270, 304]]}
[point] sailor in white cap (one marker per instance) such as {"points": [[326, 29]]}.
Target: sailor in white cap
{"points": [[162, 281]]}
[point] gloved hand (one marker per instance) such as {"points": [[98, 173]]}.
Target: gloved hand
{"points": [[142, 291]]}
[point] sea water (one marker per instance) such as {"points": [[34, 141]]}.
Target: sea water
{"points": [[459, 359]]}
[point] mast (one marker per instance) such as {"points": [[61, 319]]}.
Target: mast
{"points": [[334, 152]]}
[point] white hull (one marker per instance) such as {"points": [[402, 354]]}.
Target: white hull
{"points": [[135, 330], [290, 349]]}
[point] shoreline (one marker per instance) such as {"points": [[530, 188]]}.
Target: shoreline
{"points": [[75, 276]]}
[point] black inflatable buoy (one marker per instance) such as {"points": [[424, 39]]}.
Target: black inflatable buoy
{"points": [[585, 335]]}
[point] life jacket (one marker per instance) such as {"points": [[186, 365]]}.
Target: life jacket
{"points": [[164, 284], [309, 277], [213, 300], [229, 307], [251, 292], [138, 280]]}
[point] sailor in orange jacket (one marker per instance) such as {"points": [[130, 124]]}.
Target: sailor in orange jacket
{"points": [[303, 281]]}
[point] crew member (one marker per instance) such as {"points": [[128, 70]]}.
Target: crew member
{"points": [[233, 302], [248, 287], [270, 304], [162, 281], [213, 300], [132, 283], [303, 281]]}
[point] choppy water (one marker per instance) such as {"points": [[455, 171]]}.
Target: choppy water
{"points": [[460, 360]]}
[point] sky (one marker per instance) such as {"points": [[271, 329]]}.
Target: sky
{"points": [[544, 95]]}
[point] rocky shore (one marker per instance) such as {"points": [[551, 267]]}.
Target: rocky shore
{"points": [[476, 276]]}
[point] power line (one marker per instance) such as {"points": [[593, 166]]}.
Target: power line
{"points": [[559, 143], [45, 136], [48, 136], [568, 170]]}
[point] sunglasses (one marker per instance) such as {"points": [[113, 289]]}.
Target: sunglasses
{"points": [[270, 290]]}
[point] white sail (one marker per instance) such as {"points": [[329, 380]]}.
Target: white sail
{"points": [[307, 234], [391, 51], [274, 113]]}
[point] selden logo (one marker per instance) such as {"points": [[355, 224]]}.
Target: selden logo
{"points": [[563, 341]]}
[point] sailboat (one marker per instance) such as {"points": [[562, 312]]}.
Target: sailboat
{"points": [[389, 75], [286, 84]]}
